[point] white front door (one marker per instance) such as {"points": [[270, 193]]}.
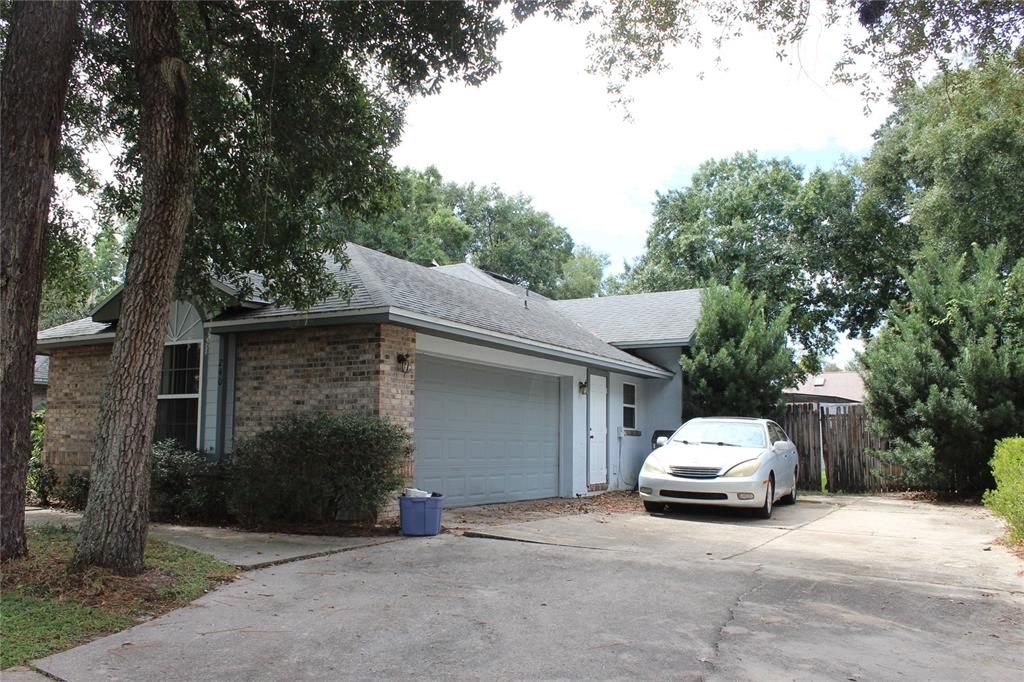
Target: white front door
{"points": [[597, 469]]}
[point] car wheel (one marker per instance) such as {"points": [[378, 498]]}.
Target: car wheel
{"points": [[765, 512], [791, 497], [653, 507]]}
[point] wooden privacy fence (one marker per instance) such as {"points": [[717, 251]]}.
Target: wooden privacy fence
{"points": [[842, 430]]}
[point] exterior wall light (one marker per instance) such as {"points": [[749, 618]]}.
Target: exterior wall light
{"points": [[583, 388], [404, 362]]}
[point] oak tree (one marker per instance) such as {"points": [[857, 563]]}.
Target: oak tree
{"points": [[38, 53]]}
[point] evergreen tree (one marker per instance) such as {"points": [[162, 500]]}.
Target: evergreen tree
{"points": [[945, 377], [740, 361]]}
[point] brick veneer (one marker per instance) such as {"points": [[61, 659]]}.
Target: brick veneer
{"points": [[344, 369], [76, 383]]}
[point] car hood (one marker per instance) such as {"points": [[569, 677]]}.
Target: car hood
{"points": [[722, 456]]}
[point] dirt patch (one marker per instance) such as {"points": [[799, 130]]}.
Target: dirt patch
{"points": [[463, 518], [342, 529]]}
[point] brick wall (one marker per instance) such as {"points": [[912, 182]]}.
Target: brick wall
{"points": [[398, 387], [76, 383], [322, 369]]}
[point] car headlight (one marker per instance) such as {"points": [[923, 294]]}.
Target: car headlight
{"points": [[652, 466], [744, 468]]}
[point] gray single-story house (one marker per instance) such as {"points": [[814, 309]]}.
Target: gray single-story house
{"points": [[508, 395]]}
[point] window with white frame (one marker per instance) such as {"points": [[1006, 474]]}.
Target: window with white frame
{"points": [[177, 406], [628, 406]]}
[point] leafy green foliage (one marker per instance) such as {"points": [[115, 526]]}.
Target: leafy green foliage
{"points": [[946, 374], [42, 478], [514, 239], [914, 464], [740, 362], [431, 221], [753, 216], [296, 108], [77, 277], [1007, 499], [902, 41], [311, 468], [185, 486], [582, 274], [949, 162], [420, 224]]}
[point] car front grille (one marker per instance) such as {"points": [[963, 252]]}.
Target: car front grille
{"points": [[685, 495], [694, 472]]}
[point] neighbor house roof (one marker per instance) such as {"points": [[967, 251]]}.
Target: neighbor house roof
{"points": [[638, 320], [844, 387], [453, 302], [41, 376]]}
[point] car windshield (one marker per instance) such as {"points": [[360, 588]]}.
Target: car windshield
{"points": [[708, 431]]}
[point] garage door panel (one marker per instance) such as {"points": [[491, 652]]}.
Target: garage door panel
{"points": [[485, 434]]}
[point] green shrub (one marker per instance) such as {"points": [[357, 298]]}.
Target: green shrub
{"points": [[916, 466], [42, 478], [185, 486], [1007, 499], [313, 468], [73, 491], [42, 481]]}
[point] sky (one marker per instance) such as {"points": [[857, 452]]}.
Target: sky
{"points": [[547, 129]]}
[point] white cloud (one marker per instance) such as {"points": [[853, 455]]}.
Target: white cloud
{"points": [[546, 128]]}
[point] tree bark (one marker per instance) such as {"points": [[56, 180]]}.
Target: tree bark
{"points": [[33, 90], [115, 524]]}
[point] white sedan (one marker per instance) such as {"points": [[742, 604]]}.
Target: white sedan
{"points": [[727, 461]]}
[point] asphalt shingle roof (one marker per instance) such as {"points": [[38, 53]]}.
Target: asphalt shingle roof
{"points": [[458, 294], [454, 295], [637, 318]]}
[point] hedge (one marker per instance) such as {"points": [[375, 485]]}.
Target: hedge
{"points": [[316, 469], [1007, 499]]}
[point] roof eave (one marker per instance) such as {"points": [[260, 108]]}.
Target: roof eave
{"points": [[293, 320], [538, 348], [44, 345], [650, 343]]}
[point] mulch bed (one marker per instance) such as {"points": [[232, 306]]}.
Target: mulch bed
{"points": [[615, 502]]}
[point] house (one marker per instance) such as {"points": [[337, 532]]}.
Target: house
{"points": [[40, 378], [828, 388], [508, 395]]}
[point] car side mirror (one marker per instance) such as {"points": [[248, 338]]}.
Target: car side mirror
{"points": [[778, 445], [661, 442]]}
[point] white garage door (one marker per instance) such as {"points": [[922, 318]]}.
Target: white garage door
{"points": [[485, 434]]}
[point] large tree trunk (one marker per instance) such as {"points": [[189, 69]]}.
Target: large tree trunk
{"points": [[114, 528], [33, 88]]}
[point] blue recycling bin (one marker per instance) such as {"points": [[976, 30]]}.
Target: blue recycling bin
{"points": [[421, 515]]}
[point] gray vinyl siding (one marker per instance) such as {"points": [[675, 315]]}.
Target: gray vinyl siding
{"points": [[212, 373]]}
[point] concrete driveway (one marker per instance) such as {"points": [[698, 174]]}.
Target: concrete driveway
{"points": [[854, 589]]}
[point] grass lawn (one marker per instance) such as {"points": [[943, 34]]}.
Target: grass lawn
{"points": [[45, 608]]}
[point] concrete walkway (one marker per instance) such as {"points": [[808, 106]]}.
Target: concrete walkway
{"points": [[238, 548]]}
